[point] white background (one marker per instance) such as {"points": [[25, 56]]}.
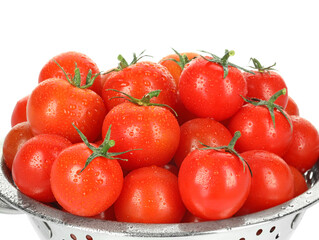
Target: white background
{"points": [[32, 32]]}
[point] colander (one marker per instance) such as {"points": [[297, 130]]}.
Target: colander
{"points": [[276, 223]]}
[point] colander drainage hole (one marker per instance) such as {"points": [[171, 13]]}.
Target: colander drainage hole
{"points": [[88, 237], [259, 232], [73, 236], [277, 236], [272, 229], [242, 239]]}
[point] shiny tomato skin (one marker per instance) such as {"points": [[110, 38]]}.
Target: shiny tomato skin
{"points": [[258, 132], [150, 195], [213, 184], [88, 193], [300, 184], [67, 61], [204, 91], [263, 85], [153, 130], [303, 151], [139, 79], [19, 112], [14, 140], [195, 131], [32, 165], [292, 107], [55, 104], [271, 184]]}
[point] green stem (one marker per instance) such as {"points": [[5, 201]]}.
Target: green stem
{"points": [[261, 68]]}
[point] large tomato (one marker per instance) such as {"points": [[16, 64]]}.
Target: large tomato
{"points": [[55, 104], [67, 61], [150, 195], [32, 165], [212, 89]]}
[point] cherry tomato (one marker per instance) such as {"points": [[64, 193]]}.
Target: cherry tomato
{"points": [[55, 104], [292, 107], [303, 151], [195, 131], [150, 195], [213, 184], [207, 92], [32, 165], [300, 184], [67, 61], [153, 130], [272, 182], [14, 140], [19, 112], [91, 191]]}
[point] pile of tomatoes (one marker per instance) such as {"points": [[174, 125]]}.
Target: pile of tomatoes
{"points": [[192, 137]]}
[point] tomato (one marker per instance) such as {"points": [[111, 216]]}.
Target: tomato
{"points": [[138, 80], [175, 63], [300, 184], [189, 217], [195, 131], [19, 112], [14, 140], [292, 107], [264, 83], [91, 191], [108, 214], [67, 61], [213, 184], [32, 165], [272, 182], [153, 130], [303, 151], [259, 131], [55, 104], [212, 89], [150, 195]]}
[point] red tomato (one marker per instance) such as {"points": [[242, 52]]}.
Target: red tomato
{"points": [[108, 214], [271, 184], [195, 131], [303, 151], [300, 184], [153, 130], [206, 92], [264, 83], [32, 165], [258, 131], [14, 140], [139, 79], [55, 104], [67, 61], [150, 195], [292, 107], [19, 112], [213, 184], [183, 115], [86, 193]]}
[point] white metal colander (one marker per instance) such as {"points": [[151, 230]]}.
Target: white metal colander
{"points": [[276, 223]]}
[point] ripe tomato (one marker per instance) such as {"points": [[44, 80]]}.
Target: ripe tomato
{"points": [[67, 61], [271, 184], [91, 191], [213, 183], [292, 107], [32, 165], [208, 91], [300, 184], [175, 63], [150, 195], [19, 112], [14, 140], [303, 151], [195, 131], [139, 79], [258, 131], [153, 130], [264, 83], [55, 104]]}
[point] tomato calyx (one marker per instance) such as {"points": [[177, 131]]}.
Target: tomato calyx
{"points": [[230, 149], [271, 105], [224, 61], [183, 59], [144, 101], [260, 68], [76, 79], [102, 150]]}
